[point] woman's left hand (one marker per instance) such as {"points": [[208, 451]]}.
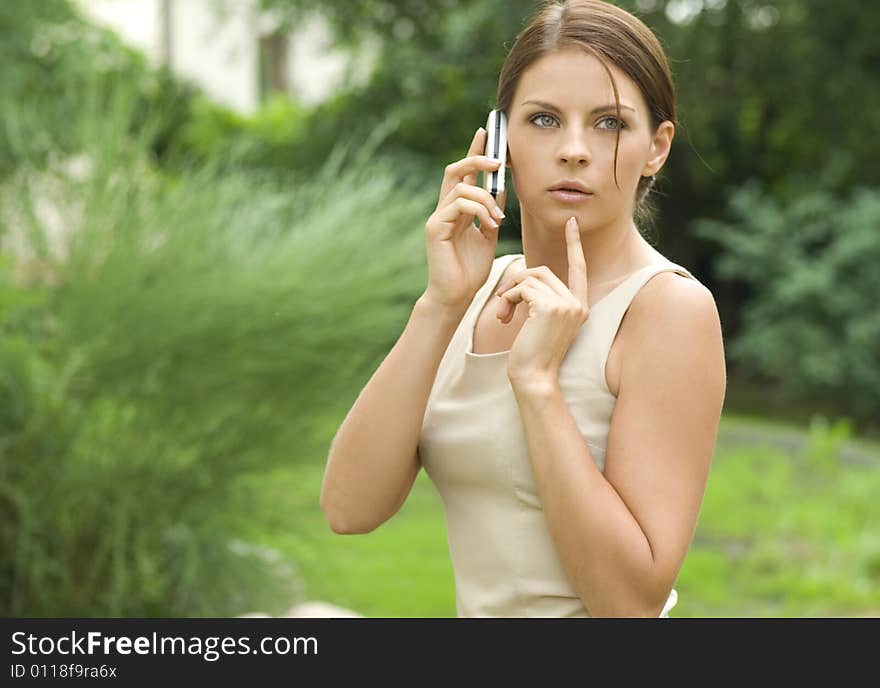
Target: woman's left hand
{"points": [[556, 313]]}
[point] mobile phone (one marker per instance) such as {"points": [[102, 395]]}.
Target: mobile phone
{"points": [[496, 147]]}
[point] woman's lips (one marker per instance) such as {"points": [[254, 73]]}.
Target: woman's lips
{"points": [[566, 196]]}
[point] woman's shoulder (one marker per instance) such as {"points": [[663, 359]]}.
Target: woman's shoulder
{"points": [[670, 288], [669, 280], [673, 290]]}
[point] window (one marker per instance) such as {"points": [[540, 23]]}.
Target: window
{"points": [[273, 64]]}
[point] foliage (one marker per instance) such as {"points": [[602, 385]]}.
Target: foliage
{"points": [[164, 343], [762, 93], [266, 139], [48, 57], [451, 72], [811, 326]]}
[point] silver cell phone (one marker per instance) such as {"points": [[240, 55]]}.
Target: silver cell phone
{"points": [[496, 147]]}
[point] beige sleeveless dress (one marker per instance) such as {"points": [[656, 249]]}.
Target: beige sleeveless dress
{"points": [[473, 448]]}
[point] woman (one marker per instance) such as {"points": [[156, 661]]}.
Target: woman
{"points": [[565, 401]]}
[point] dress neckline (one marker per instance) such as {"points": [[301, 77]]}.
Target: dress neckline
{"points": [[482, 304]]}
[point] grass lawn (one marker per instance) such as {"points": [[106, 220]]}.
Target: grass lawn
{"points": [[789, 527]]}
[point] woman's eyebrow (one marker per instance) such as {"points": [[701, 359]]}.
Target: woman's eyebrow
{"points": [[596, 110]]}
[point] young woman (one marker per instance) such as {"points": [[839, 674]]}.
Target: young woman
{"points": [[564, 401]]}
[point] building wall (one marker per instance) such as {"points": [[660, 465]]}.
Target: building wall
{"points": [[219, 52], [216, 43]]}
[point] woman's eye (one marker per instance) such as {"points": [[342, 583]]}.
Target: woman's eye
{"points": [[620, 123], [537, 117]]}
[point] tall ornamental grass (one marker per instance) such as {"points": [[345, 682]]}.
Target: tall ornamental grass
{"points": [[166, 342]]}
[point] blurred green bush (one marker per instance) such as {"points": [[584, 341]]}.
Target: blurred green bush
{"points": [[810, 323], [267, 139]]}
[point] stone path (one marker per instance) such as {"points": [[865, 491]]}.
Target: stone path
{"points": [[794, 441], [313, 609]]}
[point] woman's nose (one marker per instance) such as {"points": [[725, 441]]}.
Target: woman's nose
{"points": [[574, 149]]}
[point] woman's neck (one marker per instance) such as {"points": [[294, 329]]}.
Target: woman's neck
{"points": [[611, 252]]}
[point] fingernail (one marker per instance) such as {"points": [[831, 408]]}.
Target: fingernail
{"points": [[497, 212]]}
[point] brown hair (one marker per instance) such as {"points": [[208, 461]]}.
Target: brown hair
{"points": [[608, 33]]}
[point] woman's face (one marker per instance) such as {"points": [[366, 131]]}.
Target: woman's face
{"points": [[572, 134]]}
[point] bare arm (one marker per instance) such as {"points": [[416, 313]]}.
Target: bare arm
{"points": [[623, 533], [373, 460]]}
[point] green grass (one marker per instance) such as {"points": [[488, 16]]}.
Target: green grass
{"points": [[401, 569], [781, 533]]}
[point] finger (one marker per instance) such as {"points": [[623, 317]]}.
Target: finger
{"points": [[502, 199], [465, 170], [478, 194], [478, 142], [451, 212], [528, 291], [478, 146], [541, 273], [505, 313], [577, 264]]}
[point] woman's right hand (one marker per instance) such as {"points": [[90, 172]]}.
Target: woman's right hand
{"points": [[460, 255]]}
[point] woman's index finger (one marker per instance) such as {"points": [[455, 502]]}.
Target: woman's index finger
{"points": [[478, 144], [577, 264]]}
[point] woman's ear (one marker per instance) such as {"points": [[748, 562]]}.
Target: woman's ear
{"points": [[660, 147]]}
